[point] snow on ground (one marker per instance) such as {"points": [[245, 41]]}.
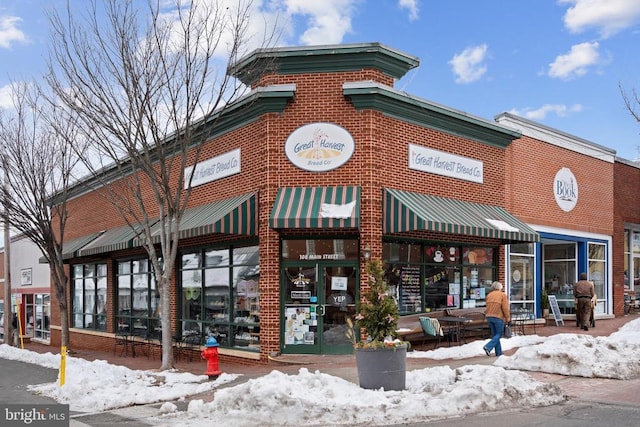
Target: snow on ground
{"points": [[316, 398]]}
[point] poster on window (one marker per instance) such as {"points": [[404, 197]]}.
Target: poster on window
{"points": [[300, 325]]}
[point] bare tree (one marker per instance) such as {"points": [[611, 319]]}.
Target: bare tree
{"points": [[38, 162], [148, 87], [631, 102]]}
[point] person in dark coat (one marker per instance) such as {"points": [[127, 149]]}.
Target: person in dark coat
{"points": [[583, 291]]}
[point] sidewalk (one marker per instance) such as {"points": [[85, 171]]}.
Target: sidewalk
{"points": [[343, 366]]}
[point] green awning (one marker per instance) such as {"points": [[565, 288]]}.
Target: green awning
{"points": [[71, 248], [408, 211], [316, 207], [115, 239], [236, 215]]}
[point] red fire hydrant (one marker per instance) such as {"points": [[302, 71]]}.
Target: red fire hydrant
{"points": [[210, 354]]}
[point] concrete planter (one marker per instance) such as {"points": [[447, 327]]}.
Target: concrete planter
{"points": [[382, 368]]}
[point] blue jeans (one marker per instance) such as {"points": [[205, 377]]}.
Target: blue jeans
{"points": [[496, 326]]}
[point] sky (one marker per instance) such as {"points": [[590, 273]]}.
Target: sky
{"points": [[560, 63], [316, 398]]}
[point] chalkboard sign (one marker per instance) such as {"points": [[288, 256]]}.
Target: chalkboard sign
{"points": [[557, 316], [410, 288]]}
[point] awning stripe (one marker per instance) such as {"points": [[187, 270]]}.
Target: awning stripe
{"points": [[115, 239], [408, 211], [236, 215], [71, 248], [316, 207]]}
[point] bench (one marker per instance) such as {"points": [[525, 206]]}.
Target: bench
{"points": [[478, 327], [410, 329]]}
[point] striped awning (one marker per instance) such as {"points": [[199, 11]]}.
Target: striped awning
{"points": [[236, 215], [115, 239], [408, 211], [71, 248], [316, 207]]}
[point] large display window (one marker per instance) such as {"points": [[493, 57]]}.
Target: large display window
{"points": [[429, 277], [560, 266], [219, 296], [522, 261], [89, 303]]}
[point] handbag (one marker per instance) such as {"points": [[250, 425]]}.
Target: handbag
{"points": [[507, 331]]}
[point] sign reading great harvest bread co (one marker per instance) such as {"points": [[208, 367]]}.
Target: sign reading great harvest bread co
{"points": [[213, 169], [447, 164], [319, 147]]}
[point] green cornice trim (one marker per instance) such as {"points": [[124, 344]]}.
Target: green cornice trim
{"points": [[263, 100], [373, 96], [248, 109], [323, 59]]}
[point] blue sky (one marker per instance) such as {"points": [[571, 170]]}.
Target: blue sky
{"points": [[556, 62]]}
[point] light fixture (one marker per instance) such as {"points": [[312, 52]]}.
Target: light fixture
{"points": [[366, 252]]}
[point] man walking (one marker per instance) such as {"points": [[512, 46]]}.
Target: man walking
{"points": [[583, 291]]}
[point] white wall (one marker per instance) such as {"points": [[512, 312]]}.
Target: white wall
{"points": [[26, 255]]}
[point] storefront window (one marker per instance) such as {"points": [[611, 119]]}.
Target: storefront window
{"points": [[89, 296], [627, 256], [220, 297], [428, 277], [478, 274], [138, 299], [43, 313], [560, 273], [320, 249], [521, 281], [597, 273], [635, 245]]}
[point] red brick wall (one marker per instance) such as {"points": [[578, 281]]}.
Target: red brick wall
{"points": [[626, 191], [531, 167]]}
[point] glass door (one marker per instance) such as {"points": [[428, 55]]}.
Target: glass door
{"points": [[340, 284], [302, 309], [318, 298]]}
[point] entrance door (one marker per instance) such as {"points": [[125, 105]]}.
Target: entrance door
{"points": [[318, 298]]}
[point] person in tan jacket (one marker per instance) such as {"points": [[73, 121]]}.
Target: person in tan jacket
{"points": [[497, 313]]}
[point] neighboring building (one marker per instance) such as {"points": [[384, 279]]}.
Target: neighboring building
{"points": [[560, 185], [31, 289], [323, 164], [626, 240]]}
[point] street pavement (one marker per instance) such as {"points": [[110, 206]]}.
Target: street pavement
{"points": [[591, 401]]}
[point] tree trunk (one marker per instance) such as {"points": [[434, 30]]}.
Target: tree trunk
{"points": [[165, 322], [64, 326]]}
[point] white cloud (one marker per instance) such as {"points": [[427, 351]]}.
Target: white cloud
{"points": [[607, 16], [9, 32], [327, 21], [576, 62], [6, 101], [469, 66], [411, 6], [540, 113]]}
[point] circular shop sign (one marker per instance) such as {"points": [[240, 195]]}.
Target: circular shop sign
{"points": [[565, 189], [319, 147]]}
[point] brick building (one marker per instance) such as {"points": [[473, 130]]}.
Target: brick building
{"points": [[325, 164]]}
